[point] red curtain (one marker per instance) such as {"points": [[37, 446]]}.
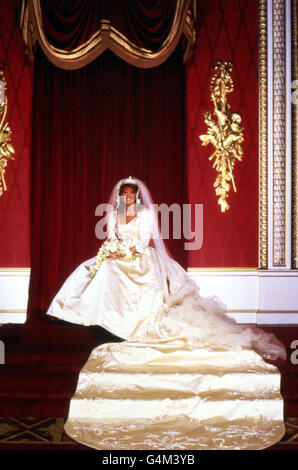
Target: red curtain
{"points": [[92, 127]]}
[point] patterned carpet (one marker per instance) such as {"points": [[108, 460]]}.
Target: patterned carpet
{"points": [[33, 431], [47, 433]]}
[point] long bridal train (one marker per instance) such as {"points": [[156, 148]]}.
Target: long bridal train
{"points": [[187, 376], [166, 395]]}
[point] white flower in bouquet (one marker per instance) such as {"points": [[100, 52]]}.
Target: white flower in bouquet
{"points": [[110, 247]]}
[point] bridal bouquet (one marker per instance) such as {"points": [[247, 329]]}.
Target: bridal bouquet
{"points": [[107, 248]]}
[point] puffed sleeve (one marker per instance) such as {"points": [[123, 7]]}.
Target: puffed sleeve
{"points": [[145, 230], [111, 225]]}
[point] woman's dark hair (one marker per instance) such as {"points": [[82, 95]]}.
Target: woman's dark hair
{"points": [[124, 185]]}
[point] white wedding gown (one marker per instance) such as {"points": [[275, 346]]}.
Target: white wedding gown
{"points": [[187, 376]]}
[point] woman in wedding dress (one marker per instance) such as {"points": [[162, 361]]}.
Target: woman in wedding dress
{"points": [[187, 376]]}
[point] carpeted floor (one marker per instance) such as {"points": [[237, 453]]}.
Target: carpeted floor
{"points": [[48, 433]]}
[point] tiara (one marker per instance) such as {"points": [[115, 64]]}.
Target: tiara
{"points": [[129, 180]]}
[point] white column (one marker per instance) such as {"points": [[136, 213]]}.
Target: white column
{"points": [[279, 134]]}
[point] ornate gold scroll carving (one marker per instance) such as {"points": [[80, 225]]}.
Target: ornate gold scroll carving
{"points": [[224, 132], [6, 149]]}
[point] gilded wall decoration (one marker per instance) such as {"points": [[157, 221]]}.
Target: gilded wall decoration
{"points": [[224, 132], [6, 149]]}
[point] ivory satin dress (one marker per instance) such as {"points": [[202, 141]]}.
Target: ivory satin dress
{"points": [[186, 377]]}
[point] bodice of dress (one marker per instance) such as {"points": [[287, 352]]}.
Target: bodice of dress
{"points": [[136, 233]]}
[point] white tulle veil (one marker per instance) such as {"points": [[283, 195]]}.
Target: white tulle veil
{"points": [[143, 199], [171, 280]]}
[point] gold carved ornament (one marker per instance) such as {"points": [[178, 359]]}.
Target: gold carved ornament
{"points": [[6, 149], [224, 132]]}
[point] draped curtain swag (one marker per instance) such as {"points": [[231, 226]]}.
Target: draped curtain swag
{"points": [[150, 23]]}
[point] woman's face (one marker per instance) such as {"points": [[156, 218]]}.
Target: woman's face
{"points": [[129, 195]]}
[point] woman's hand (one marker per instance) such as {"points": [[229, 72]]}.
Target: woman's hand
{"points": [[115, 255]]}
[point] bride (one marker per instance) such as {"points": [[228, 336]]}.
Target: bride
{"points": [[187, 376]]}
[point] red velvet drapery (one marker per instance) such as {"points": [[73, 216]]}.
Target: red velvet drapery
{"points": [[146, 23], [92, 127]]}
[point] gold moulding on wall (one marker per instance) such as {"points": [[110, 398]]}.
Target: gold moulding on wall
{"points": [[224, 132], [6, 149]]}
